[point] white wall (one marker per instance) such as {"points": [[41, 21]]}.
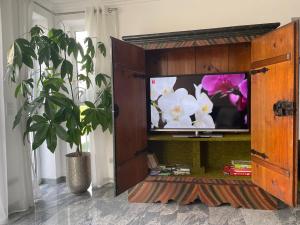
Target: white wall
{"points": [[179, 15]]}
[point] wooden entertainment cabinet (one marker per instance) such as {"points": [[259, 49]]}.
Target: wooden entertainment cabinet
{"points": [[270, 55]]}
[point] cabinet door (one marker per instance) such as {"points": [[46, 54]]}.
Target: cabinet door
{"points": [[130, 123], [274, 123]]}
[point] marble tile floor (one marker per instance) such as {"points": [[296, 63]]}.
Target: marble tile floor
{"points": [[59, 207]]}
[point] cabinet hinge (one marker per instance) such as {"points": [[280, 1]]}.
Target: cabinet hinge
{"points": [[262, 70], [284, 108]]}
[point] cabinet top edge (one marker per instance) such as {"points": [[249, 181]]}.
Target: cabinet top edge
{"points": [[249, 30]]}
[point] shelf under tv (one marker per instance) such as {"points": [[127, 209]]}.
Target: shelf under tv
{"points": [[225, 137]]}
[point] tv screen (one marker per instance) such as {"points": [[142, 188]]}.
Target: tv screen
{"points": [[199, 102]]}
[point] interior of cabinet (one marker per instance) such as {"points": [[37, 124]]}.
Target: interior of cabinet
{"points": [[206, 157], [199, 60]]}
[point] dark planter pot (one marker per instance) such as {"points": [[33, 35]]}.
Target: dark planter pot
{"points": [[78, 172]]}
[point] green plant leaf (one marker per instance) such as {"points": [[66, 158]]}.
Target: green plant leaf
{"points": [[73, 48], [67, 69], [50, 108], [75, 136], [60, 115], [26, 48], [28, 123], [44, 50], [101, 47], [17, 55], [36, 126], [36, 31], [59, 37], [53, 83], [18, 89], [39, 118], [40, 136], [54, 55], [80, 49], [86, 79], [88, 64], [102, 78], [18, 117], [90, 47], [89, 104], [64, 88], [51, 139], [61, 133]]}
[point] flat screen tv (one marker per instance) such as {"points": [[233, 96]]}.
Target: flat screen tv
{"points": [[209, 102]]}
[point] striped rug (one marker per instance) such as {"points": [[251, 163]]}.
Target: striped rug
{"points": [[212, 192]]}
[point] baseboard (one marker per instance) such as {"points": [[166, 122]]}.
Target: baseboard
{"points": [[53, 181]]}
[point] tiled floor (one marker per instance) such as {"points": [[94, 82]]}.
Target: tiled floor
{"points": [[60, 207]]}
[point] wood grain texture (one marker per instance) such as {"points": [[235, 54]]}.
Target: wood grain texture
{"points": [[239, 57], [209, 59], [272, 135], [130, 126], [181, 61], [157, 62], [212, 192], [212, 59]]}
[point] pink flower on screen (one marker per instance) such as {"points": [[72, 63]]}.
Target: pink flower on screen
{"points": [[239, 101], [233, 85], [243, 87], [221, 83]]}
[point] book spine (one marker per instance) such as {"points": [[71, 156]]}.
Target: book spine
{"points": [[240, 173]]}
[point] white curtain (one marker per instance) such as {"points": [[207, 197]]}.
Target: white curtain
{"points": [[101, 24], [15, 159], [3, 171]]}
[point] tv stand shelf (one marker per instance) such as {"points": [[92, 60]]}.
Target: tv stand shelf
{"points": [[226, 137], [203, 155]]}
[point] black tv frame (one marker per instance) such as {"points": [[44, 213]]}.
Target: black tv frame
{"points": [[195, 130]]}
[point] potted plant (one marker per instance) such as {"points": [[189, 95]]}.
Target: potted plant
{"points": [[51, 103]]}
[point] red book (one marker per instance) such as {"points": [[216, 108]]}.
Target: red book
{"points": [[240, 173], [230, 170]]}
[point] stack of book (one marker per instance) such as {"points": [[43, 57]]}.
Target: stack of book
{"points": [[238, 168], [182, 171], [177, 170]]}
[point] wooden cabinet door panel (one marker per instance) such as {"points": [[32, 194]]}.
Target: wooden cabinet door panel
{"points": [[274, 138], [131, 172], [130, 123]]}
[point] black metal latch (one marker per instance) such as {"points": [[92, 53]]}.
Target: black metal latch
{"points": [[262, 70], [283, 108], [262, 155]]}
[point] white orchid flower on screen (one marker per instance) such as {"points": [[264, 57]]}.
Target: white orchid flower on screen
{"points": [[205, 106], [154, 117], [183, 122], [177, 107], [161, 86], [204, 121]]}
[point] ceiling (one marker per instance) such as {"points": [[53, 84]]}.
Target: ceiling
{"points": [[61, 6], [106, 2]]}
